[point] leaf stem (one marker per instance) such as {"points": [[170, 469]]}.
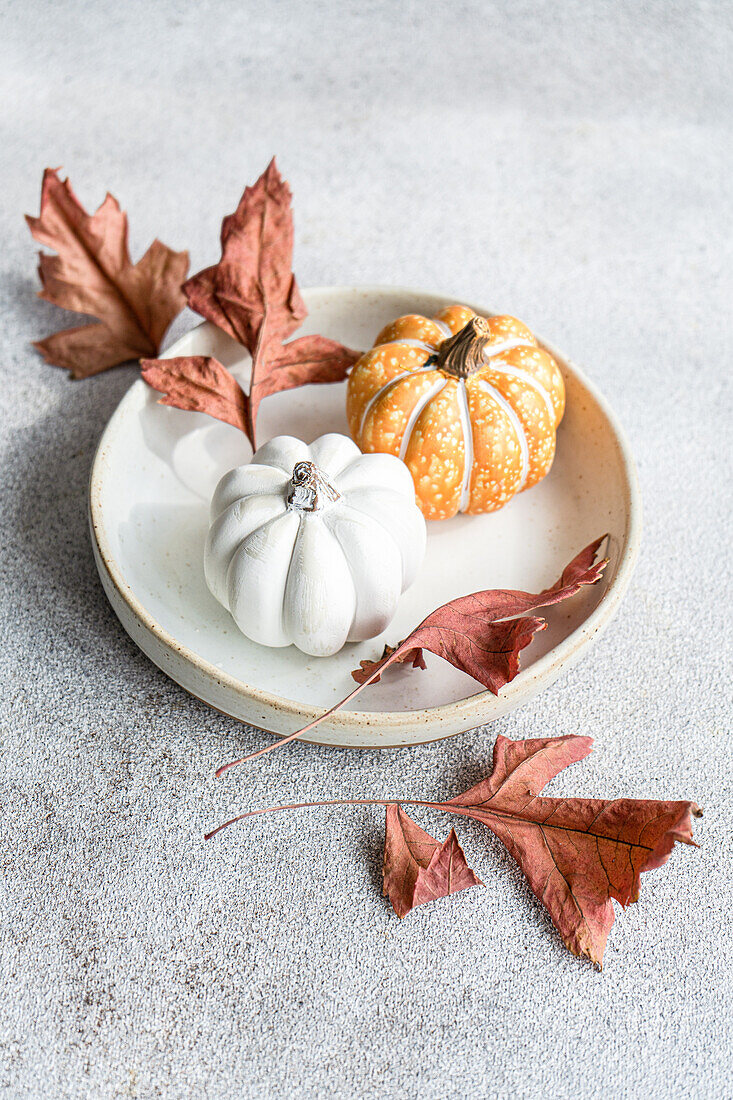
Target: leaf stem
{"points": [[256, 352], [292, 736], [471, 812], [526, 602], [324, 802]]}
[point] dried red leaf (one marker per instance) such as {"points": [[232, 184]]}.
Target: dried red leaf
{"points": [[366, 671], [417, 868], [476, 634], [92, 273], [577, 853], [198, 383], [466, 633], [253, 285], [252, 295], [305, 361]]}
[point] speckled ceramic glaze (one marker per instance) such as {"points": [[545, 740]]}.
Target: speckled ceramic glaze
{"points": [[153, 477]]}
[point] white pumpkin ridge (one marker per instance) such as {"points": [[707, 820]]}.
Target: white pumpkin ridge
{"points": [[313, 545]]}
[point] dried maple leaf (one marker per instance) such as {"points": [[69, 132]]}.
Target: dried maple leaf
{"points": [[92, 273], [198, 383], [578, 854], [417, 868], [302, 362], [474, 633], [252, 295], [478, 633]]}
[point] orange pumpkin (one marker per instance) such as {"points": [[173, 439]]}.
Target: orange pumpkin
{"points": [[470, 404]]}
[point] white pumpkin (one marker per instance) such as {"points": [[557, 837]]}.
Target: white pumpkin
{"points": [[313, 545]]}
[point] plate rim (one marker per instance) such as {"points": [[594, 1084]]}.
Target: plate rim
{"points": [[559, 655]]}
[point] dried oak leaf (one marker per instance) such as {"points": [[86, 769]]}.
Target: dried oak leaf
{"points": [[474, 633], [577, 853], [92, 273], [252, 295], [417, 868], [478, 634]]}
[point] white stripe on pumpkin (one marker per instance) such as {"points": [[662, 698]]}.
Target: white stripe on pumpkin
{"points": [[467, 428]]}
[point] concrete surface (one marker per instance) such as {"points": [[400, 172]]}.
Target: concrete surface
{"points": [[568, 163]]}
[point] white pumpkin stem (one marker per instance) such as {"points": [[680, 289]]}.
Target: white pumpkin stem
{"points": [[309, 489], [462, 354]]}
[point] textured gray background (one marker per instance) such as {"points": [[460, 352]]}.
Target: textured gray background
{"points": [[564, 162]]}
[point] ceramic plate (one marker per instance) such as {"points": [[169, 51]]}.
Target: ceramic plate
{"points": [[155, 471]]}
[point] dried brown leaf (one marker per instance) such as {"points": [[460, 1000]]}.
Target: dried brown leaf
{"points": [[417, 868], [253, 284], [198, 383], [478, 633], [577, 853], [92, 273], [466, 633], [252, 295]]}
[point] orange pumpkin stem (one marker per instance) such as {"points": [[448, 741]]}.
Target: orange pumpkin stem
{"points": [[462, 354]]}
